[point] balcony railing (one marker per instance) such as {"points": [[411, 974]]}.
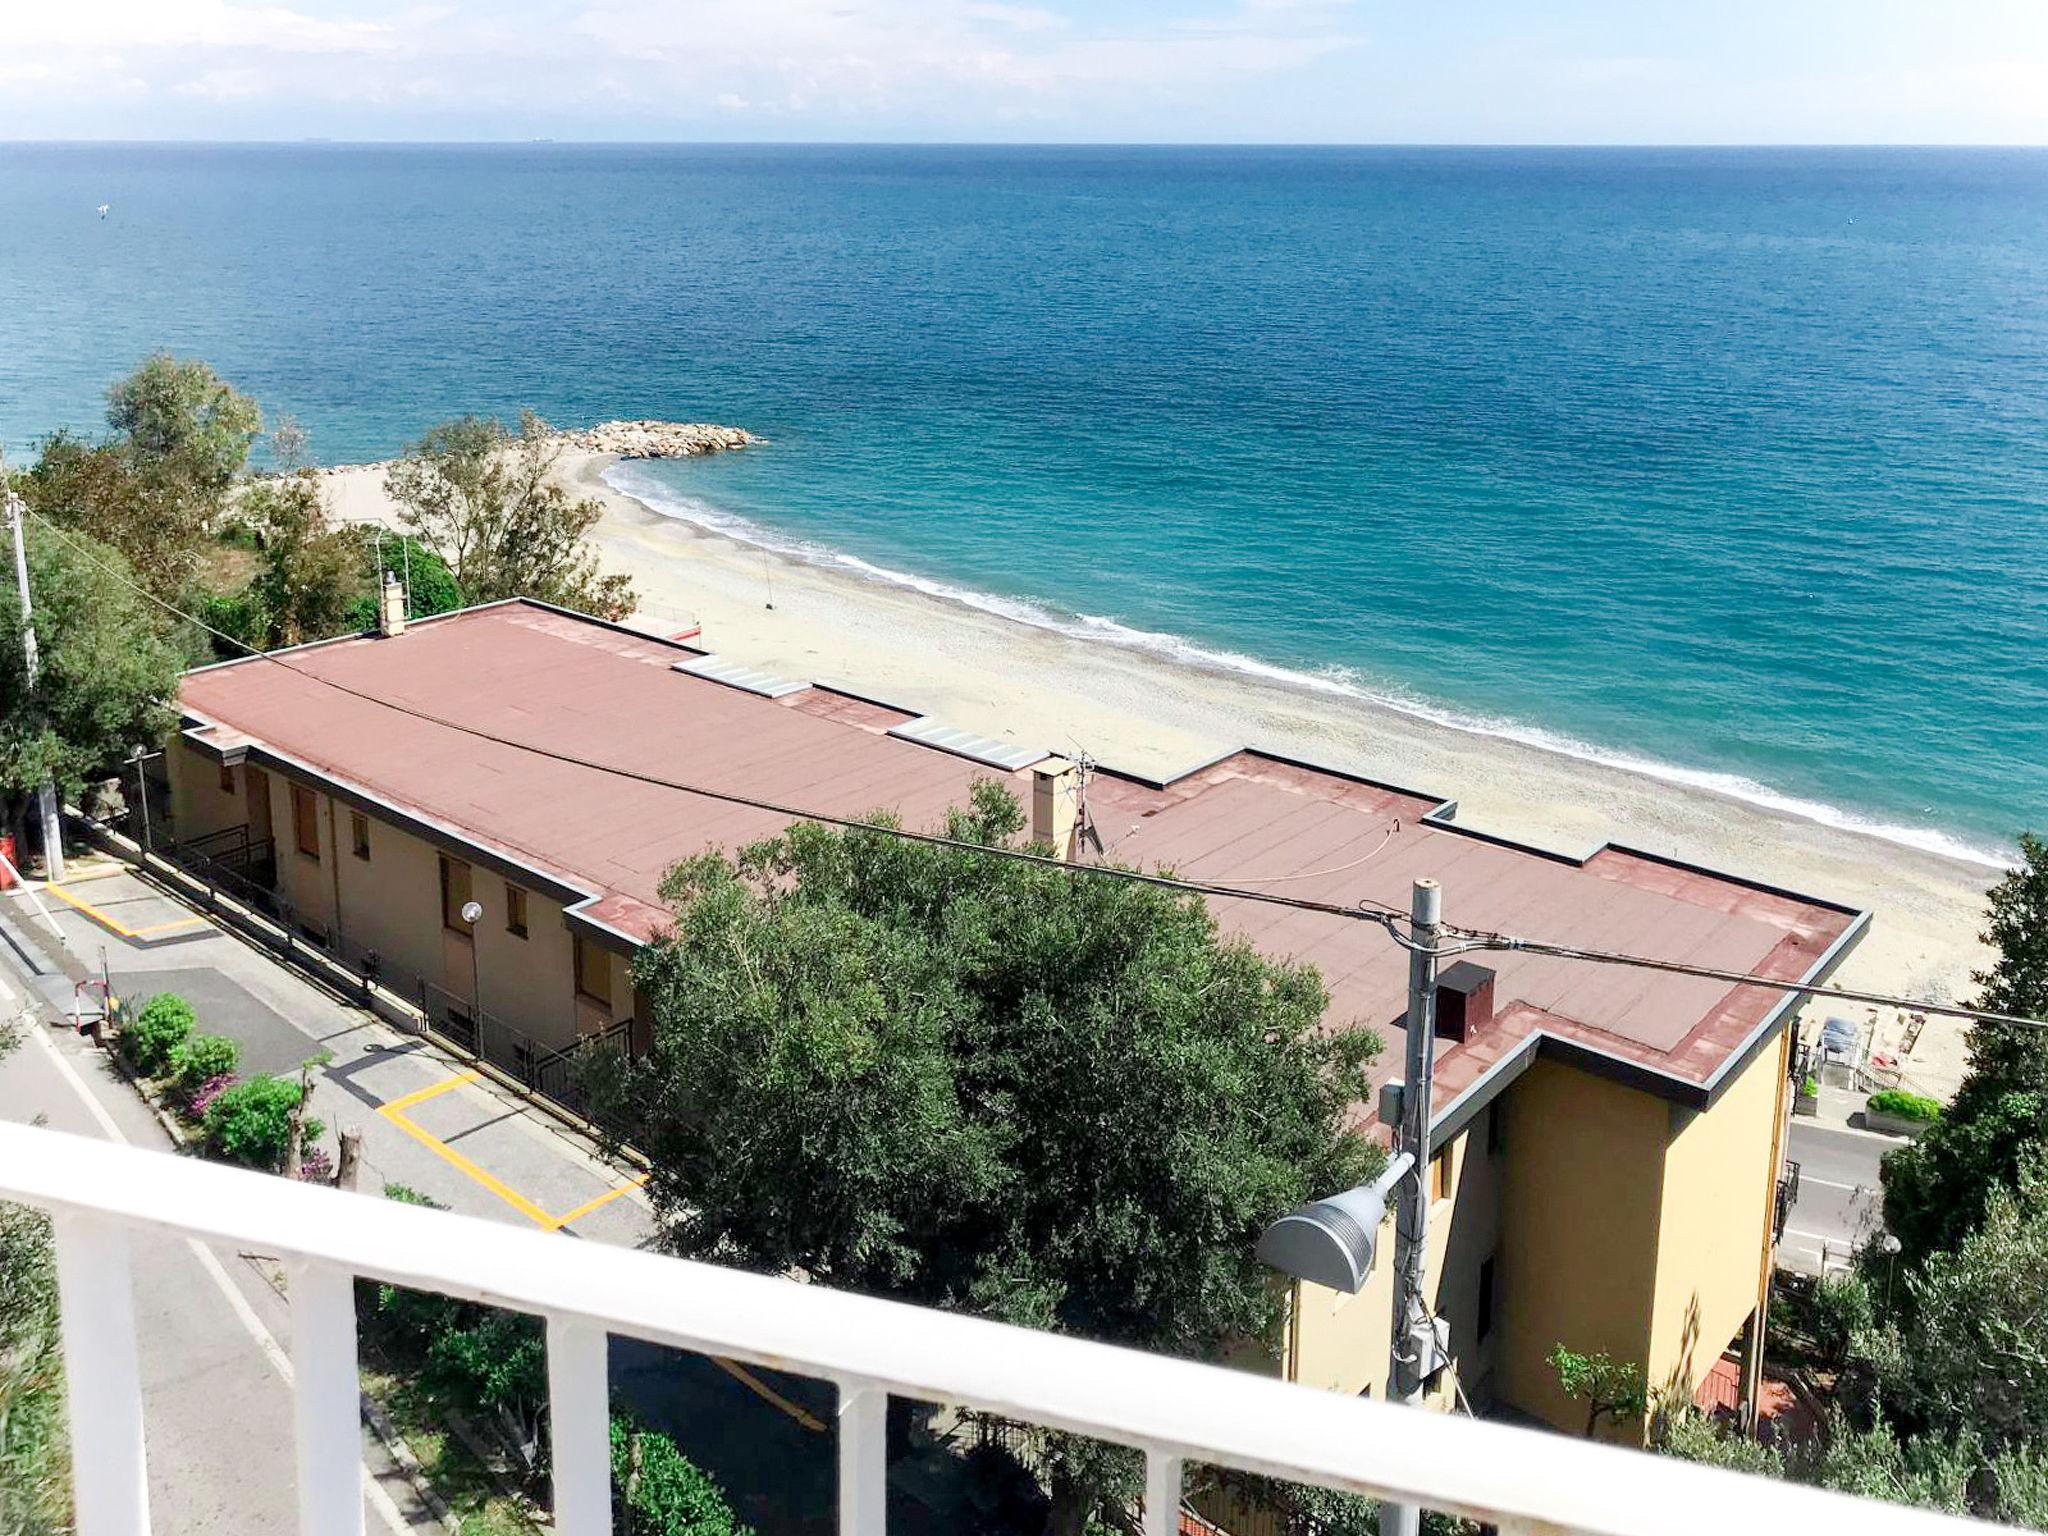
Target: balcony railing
{"points": [[1176, 1412]]}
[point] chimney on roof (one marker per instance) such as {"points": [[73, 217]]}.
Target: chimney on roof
{"points": [[1055, 801], [1464, 1000], [391, 607]]}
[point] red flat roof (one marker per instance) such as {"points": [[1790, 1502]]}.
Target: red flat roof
{"points": [[534, 674]]}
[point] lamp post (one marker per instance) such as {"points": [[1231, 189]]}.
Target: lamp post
{"points": [[1333, 1242], [1891, 1246], [472, 913]]}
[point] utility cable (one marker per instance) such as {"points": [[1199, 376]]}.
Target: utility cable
{"points": [[1375, 912], [1366, 909]]}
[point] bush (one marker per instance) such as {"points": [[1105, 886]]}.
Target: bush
{"points": [[1842, 1309], [1810, 1088], [202, 1059], [157, 1032], [1907, 1106], [250, 1123], [671, 1495], [203, 1096]]}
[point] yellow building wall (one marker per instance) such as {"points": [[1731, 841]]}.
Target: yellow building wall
{"points": [[1580, 1220], [1719, 1181], [198, 804], [391, 903], [1341, 1343]]}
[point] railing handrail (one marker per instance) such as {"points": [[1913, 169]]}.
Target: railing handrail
{"points": [[1521, 1479]]}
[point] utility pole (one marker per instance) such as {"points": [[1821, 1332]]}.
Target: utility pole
{"points": [[46, 793], [1414, 1342]]}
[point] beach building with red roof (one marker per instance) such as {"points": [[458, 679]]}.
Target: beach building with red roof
{"points": [[462, 806]]}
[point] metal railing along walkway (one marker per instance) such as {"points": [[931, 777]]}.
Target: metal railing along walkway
{"points": [[1174, 1411]]}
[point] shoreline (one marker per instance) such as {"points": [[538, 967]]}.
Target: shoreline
{"points": [[1141, 711]]}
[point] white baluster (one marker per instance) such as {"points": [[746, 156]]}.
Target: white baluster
{"points": [[326, 1404], [579, 1426], [1162, 1494], [110, 1480], [863, 1460]]}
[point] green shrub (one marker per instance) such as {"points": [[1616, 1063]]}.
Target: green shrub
{"points": [[153, 1037], [1810, 1088], [201, 1059], [1842, 1308], [35, 1462], [671, 1496], [250, 1123], [1907, 1106]]}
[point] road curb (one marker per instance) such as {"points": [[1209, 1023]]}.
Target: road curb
{"points": [[401, 1453]]}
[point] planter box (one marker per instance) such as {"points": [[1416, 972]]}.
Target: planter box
{"points": [[1806, 1104], [1893, 1125]]}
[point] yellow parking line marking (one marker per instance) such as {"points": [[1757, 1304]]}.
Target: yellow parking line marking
{"points": [[604, 1199], [761, 1389], [114, 924], [490, 1181], [395, 1112], [431, 1091]]}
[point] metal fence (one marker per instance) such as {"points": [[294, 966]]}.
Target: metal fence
{"points": [[556, 1073]]}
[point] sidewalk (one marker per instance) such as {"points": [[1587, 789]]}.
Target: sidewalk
{"points": [[429, 1120], [213, 1331]]}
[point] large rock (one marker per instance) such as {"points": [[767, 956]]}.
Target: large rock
{"points": [[655, 439]]}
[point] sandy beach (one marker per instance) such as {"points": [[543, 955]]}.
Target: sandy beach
{"points": [[1128, 709]]}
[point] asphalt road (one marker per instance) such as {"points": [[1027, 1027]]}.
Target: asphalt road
{"points": [[1840, 1195], [217, 1404]]}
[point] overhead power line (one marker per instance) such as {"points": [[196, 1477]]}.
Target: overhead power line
{"points": [[1378, 913]]}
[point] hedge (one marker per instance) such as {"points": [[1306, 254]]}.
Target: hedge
{"points": [[1907, 1106], [672, 1495]]}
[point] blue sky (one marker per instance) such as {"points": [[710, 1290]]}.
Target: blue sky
{"points": [[1351, 71]]}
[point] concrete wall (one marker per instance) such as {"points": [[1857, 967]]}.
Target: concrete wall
{"points": [[1719, 1184], [1581, 1215]]}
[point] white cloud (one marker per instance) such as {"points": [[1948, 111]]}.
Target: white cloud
{"points": [[948, 63]]}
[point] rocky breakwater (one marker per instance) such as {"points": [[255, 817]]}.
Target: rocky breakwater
{"points": [[654, 439]]}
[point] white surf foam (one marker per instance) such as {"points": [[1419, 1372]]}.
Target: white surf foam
{"points": [[1336, 681]]}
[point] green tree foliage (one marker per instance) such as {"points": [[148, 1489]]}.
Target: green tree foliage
{"points": [[487, 502], [1843, 1310], [978, 1084], [1936, 1189], [152, 1040], [155, 489], [982, 1085], [177, 418], [1873, 1463], [311, 571], [108, 675], [431, 583], [1971, 1357], [35, 1477], [1611, 1389], [250, 1123], [658, 1491]]}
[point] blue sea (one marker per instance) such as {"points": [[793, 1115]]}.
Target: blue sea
{"points": [[1731, 465]]}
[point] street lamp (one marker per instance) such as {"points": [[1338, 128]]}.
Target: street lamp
{"points": [[1333, 1242], [1891, 1245], [472, 913]]}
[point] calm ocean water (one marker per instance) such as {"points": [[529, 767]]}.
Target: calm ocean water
{"points": [[1733, 464]]}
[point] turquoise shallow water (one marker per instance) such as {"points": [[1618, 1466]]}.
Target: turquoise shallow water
{"points": [[1732, 464]]}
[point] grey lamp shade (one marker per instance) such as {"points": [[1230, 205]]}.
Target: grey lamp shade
{"points": [[1329, 1242]]}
